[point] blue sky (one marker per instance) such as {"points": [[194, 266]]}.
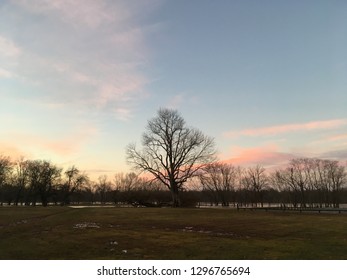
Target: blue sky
{"points": [[79, 79]]}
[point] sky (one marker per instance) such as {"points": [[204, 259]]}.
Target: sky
{"points": [[79, 79]]}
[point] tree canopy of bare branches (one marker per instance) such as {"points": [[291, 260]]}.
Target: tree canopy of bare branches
{"points": [[5, 169], [171, 151], [219, 179], [74, 180], [256, 180], [305, 176]]}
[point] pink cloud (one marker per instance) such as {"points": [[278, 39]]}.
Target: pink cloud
{"points": [[69, 144], [20, 144], [266, 155], [11, 150], [287, 128]]}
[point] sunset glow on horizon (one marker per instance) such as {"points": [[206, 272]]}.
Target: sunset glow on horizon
{"points": [[80, 79]]}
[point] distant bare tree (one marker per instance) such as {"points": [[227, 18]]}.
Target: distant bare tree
{"points": [[312, 181], [103, 187], [50, 176], [219, 179], [171, 151], [337, 178], [123, 184], [20, 178], [43, 177], [5, 169], [294, 179], [256, 180], [74, 180], [6, 166], [298, 178], [127, 182]]}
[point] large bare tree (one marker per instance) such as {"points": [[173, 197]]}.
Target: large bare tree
{"points": [[171, 151]]}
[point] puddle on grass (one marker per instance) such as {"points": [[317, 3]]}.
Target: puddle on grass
{"points": [[202, 231], [21, 222], [86, 225]]}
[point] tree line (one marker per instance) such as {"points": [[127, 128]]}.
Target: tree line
{"points": [[179, 162], [28, 182], [304, 182]]}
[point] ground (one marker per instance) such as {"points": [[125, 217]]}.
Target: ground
{"points": [[167, 233]]}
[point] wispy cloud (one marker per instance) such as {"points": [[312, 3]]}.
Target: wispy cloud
{"points": [[68, 145], [175, 101], [86, 12], [340, 155], [9, 54], [288, 128], [65, 145], [12, 150], [5, 73], [184, 98], [86, 54], [337, 137], [8, 47], [268, 155], [272, 157], [333, 140]]}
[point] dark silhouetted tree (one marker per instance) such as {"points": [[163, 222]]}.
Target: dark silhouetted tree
{"points": [[171, 151], [220, 180], [103, 188], [43, 176], [6, 190], [256, 180], [74, 181]]}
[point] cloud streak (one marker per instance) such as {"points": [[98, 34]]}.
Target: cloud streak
{"points": [[270, 156], [85, 54], [337, 137], [83, 12], [265, 155], [288, 128]]}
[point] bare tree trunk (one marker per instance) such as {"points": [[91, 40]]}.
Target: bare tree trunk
{"points": [[175, 197]]}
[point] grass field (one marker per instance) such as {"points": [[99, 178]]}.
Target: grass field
{"points": [[145, 233]]}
